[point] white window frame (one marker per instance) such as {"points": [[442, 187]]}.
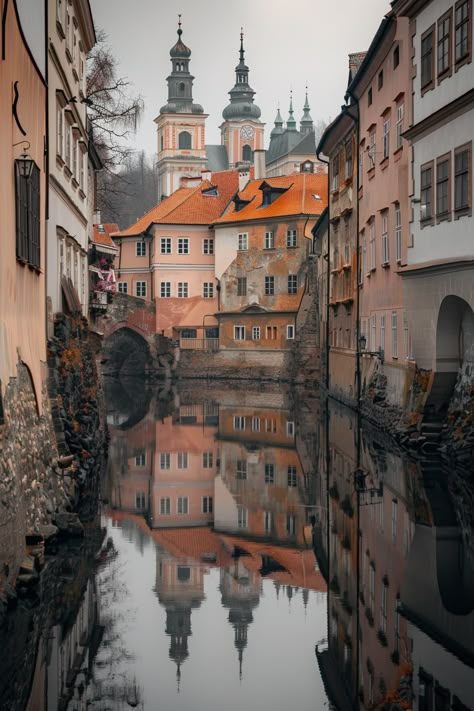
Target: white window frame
{"points": [[269, 285], [140, 459], [386, 138], [291, 524], [255, 424], [239, 423], [292, 283], [182, 505], [373, 331], [292, 475], [291, 238], [208, 245], [182, 460], [165, 290], [207, 460], [371, 149], [394, 334], [290, 332], [372, 248], [382, 332], [140, 248], [269, 240], [242, 241], [242, 517], [140, 286], [60, 132], [207, 290], [241, 470], [122, 287], [398, 233], [239, 333], [207, 504], [183, 290], [166, 245], [165, 506], [290, 428], [269, 473], [385, 252], [399, 125], [165, 461], [255, 333], [267, 521], [183, 245]]}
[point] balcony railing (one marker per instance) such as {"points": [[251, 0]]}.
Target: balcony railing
{"points": [[209, 345]]}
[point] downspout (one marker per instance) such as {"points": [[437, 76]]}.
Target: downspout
{"points": [[328, 288]]}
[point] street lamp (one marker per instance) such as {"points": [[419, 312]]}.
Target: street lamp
{"points": [[25, 165], [362, 346]]}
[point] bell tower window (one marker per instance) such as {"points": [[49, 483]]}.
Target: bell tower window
{"points": [[184, 140], [247, 153], [181, 88]]}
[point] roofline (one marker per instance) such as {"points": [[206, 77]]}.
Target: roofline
{"points": [[267, 312], [250, 220], [322, 222], [327, 131], [374, 45]]}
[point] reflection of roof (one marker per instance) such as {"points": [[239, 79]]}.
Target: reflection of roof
{"points": [[189, 206], [304, 194], [299, 565], [102, 234]]}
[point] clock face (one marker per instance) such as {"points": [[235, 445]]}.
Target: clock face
{"points": [[247, 132]]}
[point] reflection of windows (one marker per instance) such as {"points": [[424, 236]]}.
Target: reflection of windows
{"points": [[291, 475], [290, 428], [182, 504], [255, 333], [269, 473], [241, 517], [267, 521], [165, 460], [140, 459], [241, 469], [207, 504], [165, 506], [255, 424], [239, 423], [183, 573], [291, 524], [182, 460], [140, 500], [207, 460], [239, 333]]}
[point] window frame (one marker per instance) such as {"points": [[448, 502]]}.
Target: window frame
{"points": [[372, 149], [394, 334], [399, 125], [122, 287], [430, 81], [269, 285], [140, 248], [165, 290], [165, 506], [242, 286], [291, 238], [386, 138], [466, 58], [292, 283], [384, 238], [447, 69], [255, 333], [28, 217], [182, 505], [166, 245], [208, 245], [290, 332], [446, 181], [141, 285], [183, 246], [466, 209], [208, 290], [427, 219], [242, 241], [182, 290], [372, 246], [239, 333], [269, 240], [291, 476], [398, 233]]}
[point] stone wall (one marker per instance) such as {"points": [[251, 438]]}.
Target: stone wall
{"points": [[235, 364]]}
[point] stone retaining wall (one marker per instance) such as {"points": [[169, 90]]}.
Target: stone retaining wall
{"points": [[235, 364]]}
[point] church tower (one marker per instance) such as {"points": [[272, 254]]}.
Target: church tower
{"points": [[181, 125], [242, 130], [306, 123]]}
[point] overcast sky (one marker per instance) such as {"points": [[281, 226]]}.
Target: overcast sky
{"points": [[288, 43]]}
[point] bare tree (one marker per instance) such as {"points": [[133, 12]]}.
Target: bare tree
{"points": [[113, 113]]}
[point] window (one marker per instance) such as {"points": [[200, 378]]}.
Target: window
{"points": [[165, 289], [241, 286], [444, 43], [182, 504], [242, 241], [372, 245], [67, 156], [382, 333], [140, 249], [239, 423], [291, 475], [82, 176], [426, 193], [290, 428], [60, 12], [208, 290], [396, 56], [271, 333], [241, 517], [427, 68], [369, 97], [348, 161], [380, 80], [443, 170], [269, 473], [241, 469], [239, 333], [255, 333], [399, 127], [208, 246], [189, 333], [290, 332], [371, 150], [27, 196], [385, 254], [267, 521], [165, 460], [140, 500], [140, 459], [383, 609], [394, 335], [394, 519], [122, 287], [255, 424], [184, 138], [291, 238], [140, 288], [270, 425], [165, 245], [462, 40], [182, 460], [373, 331], [291, 524], [269, 285], [386, 138], [206, 505], [183, 573], [335, 174], [462, 178], [269, 240], [60, 131], [165, 506], [247, 153], [292, 283], [183, 290], [183, 245], [207, 460]]}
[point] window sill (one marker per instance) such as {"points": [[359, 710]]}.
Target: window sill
{"points": [[67, 170], [428, 87], [462, 212], [75, 74], [60, 162], [82, 194], [445, 75], [74, 183], [348, 181], [60, 29], [334, 193], [426, 223], [462, 61], [292, 246], [69, 55], [371, 173], [443, 217], [385, 265], [384, 163]]}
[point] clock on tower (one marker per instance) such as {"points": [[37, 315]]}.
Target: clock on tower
{"points": [[247, 132]]}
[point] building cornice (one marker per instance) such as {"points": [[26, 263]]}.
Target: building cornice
{"points": [[439, 266], [54, 183], [444, 115]]}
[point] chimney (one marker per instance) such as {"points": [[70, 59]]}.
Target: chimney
{"points": [[206, 175], [259, 163], [355, 60], [189, 181], [244, 176]]}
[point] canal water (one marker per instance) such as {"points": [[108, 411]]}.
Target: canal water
{"points": [[256, 548]]}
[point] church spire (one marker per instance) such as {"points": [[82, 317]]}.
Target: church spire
{"points": [[306, 123], [241, 104], [180, 81], [278, 128], [291, 123]]}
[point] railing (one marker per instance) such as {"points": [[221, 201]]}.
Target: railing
{"points": [[209, 345]]}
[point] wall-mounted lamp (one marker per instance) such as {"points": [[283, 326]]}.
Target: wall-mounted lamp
{"points": [[415, 201], [362, 346], [25, 162]]}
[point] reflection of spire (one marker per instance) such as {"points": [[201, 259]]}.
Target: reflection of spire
{"points": [[240, 618], [277, 587], [178, 676], [289, 592], [305, 597]]}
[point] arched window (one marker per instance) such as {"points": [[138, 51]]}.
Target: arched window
{"points": [[181, 88], [184, 140], [182, 67], [247, 153], [178, 67]]}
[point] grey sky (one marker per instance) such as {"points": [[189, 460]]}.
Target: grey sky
{"points": [[287, 43]]}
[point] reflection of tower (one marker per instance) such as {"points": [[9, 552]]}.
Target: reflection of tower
{"points": [[240, 590], [178, 626]]}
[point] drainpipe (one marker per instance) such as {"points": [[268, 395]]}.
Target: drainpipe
{"points": [[328, 289]]}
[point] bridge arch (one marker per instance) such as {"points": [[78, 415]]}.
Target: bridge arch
{"points": [[126, 352]]}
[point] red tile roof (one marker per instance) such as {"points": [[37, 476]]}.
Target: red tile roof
{"points": [[102, 234], [298, 198], [190, 206]]}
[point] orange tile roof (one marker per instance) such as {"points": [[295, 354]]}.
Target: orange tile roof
{"points": [[298, 199], [189, 206], [102, 233]]}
